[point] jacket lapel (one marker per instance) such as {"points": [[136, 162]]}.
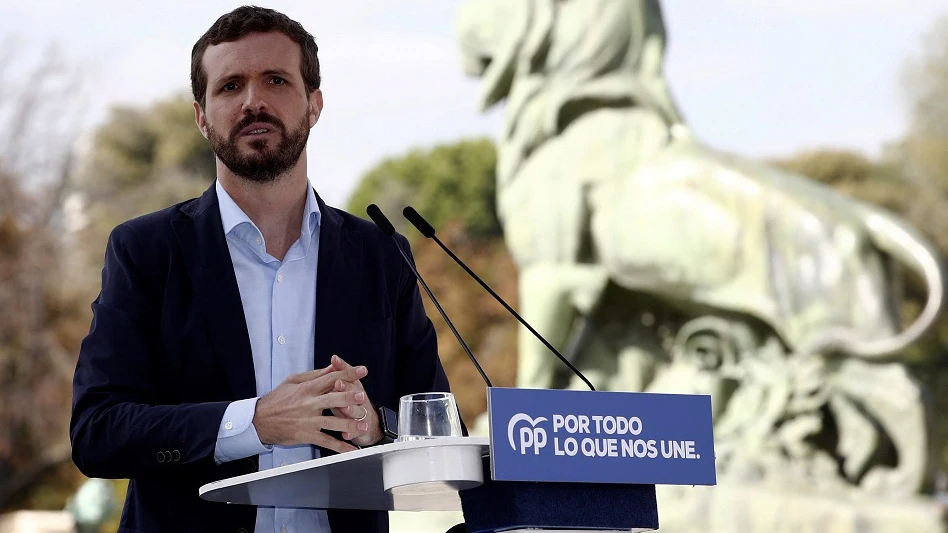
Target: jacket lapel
{"points": [[338, 277], [211, 270]]}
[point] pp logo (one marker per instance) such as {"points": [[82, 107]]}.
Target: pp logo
{"points": [[530, 436]]}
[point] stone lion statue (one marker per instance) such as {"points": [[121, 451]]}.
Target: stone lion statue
{"points": [[657, 262]]}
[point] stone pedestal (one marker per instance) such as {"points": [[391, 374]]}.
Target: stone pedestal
{"points": [[750, 509]]}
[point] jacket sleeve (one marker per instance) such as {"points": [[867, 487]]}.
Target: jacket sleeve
{"points": [[116, 429]]}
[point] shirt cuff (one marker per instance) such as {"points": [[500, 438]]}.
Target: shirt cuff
{"points": [[236, 437]]}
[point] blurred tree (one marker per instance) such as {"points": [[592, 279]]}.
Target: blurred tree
{"points": [[57, 206], [879, 183], [448, 183], [924, 150], [139, 160], [37, 131], [452, 186], [135, 146], [489, 331], [41, 97], [922, 156]]}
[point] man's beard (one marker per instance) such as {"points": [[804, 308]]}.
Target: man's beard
{"points": [[265, 163]]}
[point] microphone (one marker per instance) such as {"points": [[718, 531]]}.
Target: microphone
{"points": [[428, 231], [385, 225]]}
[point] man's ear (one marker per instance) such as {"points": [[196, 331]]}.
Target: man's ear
{"points": [[200, 119], [315, 106]]}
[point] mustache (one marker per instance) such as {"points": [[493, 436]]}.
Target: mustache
{"points": [[262, 116]]}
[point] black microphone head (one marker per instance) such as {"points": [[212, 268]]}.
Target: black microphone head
{"points": [[380, 220], [419, 222]]}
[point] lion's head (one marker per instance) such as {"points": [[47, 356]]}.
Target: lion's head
{"points": [[565, 43]]}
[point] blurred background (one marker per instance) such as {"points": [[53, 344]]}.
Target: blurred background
{"points": [[96, 126]]}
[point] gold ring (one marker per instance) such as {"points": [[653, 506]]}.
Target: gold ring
{"points": [[365, 413]]}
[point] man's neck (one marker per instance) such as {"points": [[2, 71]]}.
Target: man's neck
{"points": [[275, 207]]}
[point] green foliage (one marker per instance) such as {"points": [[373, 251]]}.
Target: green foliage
{"points": [[137, 145], [141, 160], [923, 157], [124, 149], [36, 366], [924, 150], [452, 183], [854, 174], [180, 144]]}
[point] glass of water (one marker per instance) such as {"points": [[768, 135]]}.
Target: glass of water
{"points": [[428, 415]]}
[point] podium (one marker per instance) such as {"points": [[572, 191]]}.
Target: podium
{"points": [[444, 474], [421, 475], [555, 461]]}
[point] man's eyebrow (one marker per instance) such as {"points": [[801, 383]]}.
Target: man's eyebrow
{"points": [[229, 78], [240, 75], [277, 72]]}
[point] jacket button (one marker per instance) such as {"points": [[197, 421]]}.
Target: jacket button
{"points": [[161, 457], [241, 530], [176, 456]]}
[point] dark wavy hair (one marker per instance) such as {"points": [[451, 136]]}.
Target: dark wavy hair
{"points": [[251, 19]]}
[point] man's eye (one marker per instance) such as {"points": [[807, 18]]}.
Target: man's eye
{"points": [[278, 80], [230, 87]]}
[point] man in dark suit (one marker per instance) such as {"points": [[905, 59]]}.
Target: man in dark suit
{"points": [[254, 326]]}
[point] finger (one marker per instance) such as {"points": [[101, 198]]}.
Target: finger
{"points": [[328, 382], [355, 411], [339, 400], [349, 411], [340, 386], [343, 425], [301, 377], [347, 385], [323, 371], [309, 375], [330, 443], [339, 362]]}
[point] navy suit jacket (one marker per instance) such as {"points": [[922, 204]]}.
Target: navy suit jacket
{"points": [[168, 350]]}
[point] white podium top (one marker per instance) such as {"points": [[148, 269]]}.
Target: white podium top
{"points": [[421, 475]]}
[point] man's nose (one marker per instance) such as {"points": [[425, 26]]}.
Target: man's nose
{"points": [[254, 101]]}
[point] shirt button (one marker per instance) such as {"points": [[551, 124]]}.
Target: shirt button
{"points": [[283, 529], [229, 426], [279, 278], [259, 240], [281, 339]]}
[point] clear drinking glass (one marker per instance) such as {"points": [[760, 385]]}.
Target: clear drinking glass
{"points": [[428, 415]]}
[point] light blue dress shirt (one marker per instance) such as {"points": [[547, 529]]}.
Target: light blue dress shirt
{"points": [[279, 301]]}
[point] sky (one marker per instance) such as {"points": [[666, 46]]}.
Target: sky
{"points": [[760, 77]]}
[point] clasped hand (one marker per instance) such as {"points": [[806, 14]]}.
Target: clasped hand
{"points": [[292, 413]]}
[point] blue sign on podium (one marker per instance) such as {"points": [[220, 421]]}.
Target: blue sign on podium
{"points": [[601, 437]]}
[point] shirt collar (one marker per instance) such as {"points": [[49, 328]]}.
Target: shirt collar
{"points": [[232, 215], [312, 215]]}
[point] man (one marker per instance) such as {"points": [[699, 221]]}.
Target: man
{"points": [[252, 327]]}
